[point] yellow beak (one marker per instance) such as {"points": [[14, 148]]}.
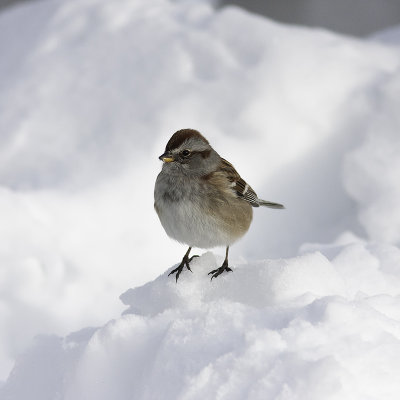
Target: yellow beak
{"points": [[166, 157]]}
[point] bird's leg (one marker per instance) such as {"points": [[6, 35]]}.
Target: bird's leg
{"points": [[185, 262], [222, 268]]}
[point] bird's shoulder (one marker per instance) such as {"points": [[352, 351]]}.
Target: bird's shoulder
{"points": [[227, 175]]}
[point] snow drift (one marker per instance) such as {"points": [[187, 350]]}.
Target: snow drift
{"points": [[91, 90], [301, 328]]}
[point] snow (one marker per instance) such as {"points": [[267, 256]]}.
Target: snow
{"points": [[91, 90], [291, 328], [389, 36]]}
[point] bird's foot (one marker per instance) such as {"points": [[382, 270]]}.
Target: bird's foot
{"points": [[216, 272], [191, 258], [185, 263]]}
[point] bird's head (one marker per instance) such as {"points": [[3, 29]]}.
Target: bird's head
{"points": [[189, 152]]}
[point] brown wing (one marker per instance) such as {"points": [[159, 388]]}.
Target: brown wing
{"points": [[239, 185]]}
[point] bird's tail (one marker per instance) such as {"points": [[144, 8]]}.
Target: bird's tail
{"points": [[269, 204]]}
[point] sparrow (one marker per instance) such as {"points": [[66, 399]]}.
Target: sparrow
{"points": [[200, 198]]}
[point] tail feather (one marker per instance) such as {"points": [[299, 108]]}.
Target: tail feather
{"points": [[270, 204]]}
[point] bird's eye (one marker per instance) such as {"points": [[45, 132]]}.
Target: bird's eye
{"points": [[185, 153]]}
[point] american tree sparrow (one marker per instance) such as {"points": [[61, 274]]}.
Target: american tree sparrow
{"points": [[200, 198]]}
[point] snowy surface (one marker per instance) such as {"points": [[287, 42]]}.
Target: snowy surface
{"points": [[301, 328], [389, 36], [90, 91]]}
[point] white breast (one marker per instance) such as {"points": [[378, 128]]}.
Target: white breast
{"points": [[187, 223]]}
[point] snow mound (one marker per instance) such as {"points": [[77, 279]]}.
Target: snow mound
{"points": [[376, 164], [91, 90], [295, 329], [259, 285]]}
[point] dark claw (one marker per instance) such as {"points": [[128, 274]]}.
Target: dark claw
{"points": [[220, 270], [177, 270], [188, 266], [185, 263]]}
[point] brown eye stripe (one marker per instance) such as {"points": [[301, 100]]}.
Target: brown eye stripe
{"points": [[205, 153]]}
